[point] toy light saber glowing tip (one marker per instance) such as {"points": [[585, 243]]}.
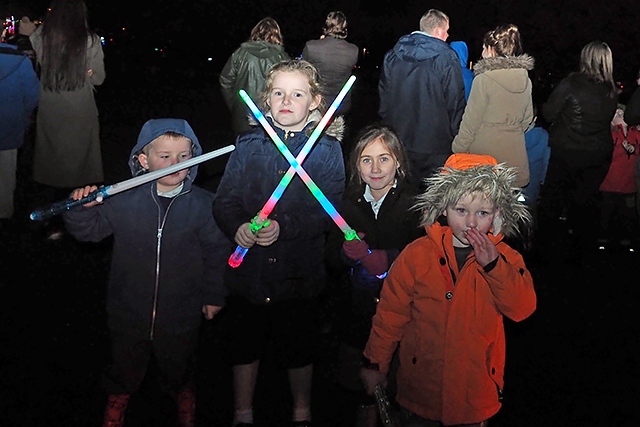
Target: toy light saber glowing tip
{"points": [[110, 190], [260, 220]]}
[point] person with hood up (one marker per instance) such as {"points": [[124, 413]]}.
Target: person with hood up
{"points": [[166, 268], [247, 69], [462, 50], [500, 106], [446, 295]]}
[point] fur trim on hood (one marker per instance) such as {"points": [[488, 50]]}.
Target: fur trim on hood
{"points": [[495, 182], [502, 63], [334, 129]]}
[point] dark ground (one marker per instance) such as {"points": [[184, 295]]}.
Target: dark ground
{"points": [[572, 363]]}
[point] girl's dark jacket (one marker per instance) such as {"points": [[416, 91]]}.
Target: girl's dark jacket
{"points": [[293, 266], [165, 265], [396, 226], [580, 113]]}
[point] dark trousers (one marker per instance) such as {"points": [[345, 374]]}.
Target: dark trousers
{"points": [[573, 186], [131, 358]]}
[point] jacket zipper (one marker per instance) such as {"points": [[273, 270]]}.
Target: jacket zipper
{"points": [[161, 223]]}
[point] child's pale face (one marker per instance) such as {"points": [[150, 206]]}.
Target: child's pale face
{"points": [[618, 118], [165, 151], [468, 213], [377, 167], [291, 101]]}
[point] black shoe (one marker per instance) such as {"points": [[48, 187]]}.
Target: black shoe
{"points": [[301, 424]]}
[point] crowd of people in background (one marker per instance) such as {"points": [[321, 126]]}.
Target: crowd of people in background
{"points": [[444, 190]]}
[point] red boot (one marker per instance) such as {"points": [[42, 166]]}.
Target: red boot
{"points": [[114, 410], [186, 400]]}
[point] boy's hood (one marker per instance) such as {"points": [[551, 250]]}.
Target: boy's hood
{"points": [[153, 129]]}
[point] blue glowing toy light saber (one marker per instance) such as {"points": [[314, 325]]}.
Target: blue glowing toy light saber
{"points": [[261, 219], [110, 190]]}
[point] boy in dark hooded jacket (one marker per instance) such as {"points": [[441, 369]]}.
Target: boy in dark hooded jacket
{"points": [[166, 268]]}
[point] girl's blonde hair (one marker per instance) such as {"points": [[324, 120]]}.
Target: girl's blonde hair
{"points": [[493, 182], [295, 65]]}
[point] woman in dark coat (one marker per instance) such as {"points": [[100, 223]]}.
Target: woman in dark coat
{"points": [[580, 110]]}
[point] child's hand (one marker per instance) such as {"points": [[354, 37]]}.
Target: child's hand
{"points": [[269, 234], [210, 310], [79, 193], [376, 262], [484, 249], [244, 237], [371, 378], [356, 249]]}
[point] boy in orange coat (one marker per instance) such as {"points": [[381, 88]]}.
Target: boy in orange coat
{"points": [[445, 296]]}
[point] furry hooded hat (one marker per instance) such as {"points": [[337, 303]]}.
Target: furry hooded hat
{"points": [[478, 175]]}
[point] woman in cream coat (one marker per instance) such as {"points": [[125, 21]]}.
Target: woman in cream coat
{"points": [[500, 107]]}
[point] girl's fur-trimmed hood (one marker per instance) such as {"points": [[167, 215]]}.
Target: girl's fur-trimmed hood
{"points": [[503, 63]]}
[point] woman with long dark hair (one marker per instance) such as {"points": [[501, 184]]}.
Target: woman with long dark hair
{"points": [[70, 61]]}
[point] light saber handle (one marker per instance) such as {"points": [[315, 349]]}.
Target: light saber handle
{"points": [[110, 190], [259, 221], [384, 406]]}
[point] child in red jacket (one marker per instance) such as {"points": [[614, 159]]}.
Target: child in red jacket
{"points": [[445, 296], [618, 217]]}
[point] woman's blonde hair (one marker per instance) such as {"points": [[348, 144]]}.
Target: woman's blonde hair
{"points": [[596, 62]]}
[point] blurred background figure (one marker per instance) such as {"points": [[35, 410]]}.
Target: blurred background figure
{"points": [[70, 59], [500, 106], [462, 50], [618, 221], [247, 69], [538, 152], [335, 58], [20, 91], [579, 109]]}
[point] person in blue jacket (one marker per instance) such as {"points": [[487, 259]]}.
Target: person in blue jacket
{"points": [[20, 89], [538, 153], [462, 50], [166, 268]]}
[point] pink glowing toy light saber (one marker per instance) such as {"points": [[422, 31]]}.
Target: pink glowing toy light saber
{"points": [[261, 219], [110, 190]]}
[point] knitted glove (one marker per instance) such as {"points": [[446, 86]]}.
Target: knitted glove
{"points": [[356, 249], [376, 262]]}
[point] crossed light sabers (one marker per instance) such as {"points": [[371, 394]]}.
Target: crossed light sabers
{"points": [[261, 219]]}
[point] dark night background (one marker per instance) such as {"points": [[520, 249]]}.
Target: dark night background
{"points": [[190, 32], [572, 363]]}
